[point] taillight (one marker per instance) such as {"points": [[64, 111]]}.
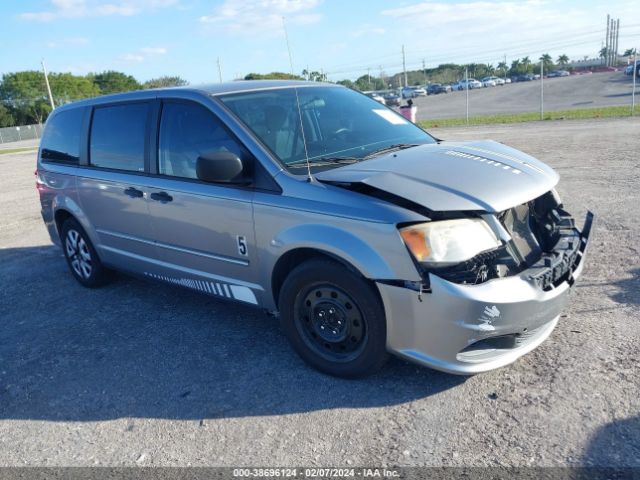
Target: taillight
{"points": [[39, 182]]}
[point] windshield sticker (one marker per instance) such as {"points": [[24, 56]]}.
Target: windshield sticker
{"points": [[390, 117]]}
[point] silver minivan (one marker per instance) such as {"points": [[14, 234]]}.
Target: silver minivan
{"points": [[364, 233]]}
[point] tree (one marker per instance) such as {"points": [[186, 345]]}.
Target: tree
{"points": [[272, 76], [503, 67], [346, 83], [604, 53], [526, 65], [24, 94], [547, 62], [166, 81], [114, 82], [563, 60], [6, 119], [629, 52], [66, 88], [516, 67]]}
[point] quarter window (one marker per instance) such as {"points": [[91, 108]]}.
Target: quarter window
{"points": [[187, 130], [61, 138], [118, 137]]}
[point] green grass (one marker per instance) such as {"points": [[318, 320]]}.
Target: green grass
{"points": [[17, 150], [575, 114]]}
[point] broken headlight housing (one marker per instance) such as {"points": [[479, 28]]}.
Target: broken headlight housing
{"points": [[448, 242]]}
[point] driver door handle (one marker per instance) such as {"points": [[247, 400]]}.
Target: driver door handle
{"points": [[162, 197], [133, 192]]}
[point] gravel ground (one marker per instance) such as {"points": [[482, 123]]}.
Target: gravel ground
{"points": [[144, 374], [562, 93]]}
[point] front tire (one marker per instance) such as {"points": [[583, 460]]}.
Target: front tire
{"points": [[81, 257], [334, 319]]}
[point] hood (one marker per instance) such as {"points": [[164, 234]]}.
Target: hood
{"points": [[453, 176]]}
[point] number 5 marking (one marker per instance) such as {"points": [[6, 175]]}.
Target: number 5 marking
{"points": [[242, 246]]}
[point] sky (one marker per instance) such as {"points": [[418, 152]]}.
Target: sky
{"points": [[344, 39]]}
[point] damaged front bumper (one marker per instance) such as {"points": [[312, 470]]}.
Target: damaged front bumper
{"points": [[468, 329]]}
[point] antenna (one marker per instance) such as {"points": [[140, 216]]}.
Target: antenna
{"points": [[304, 140], [286, 37]]}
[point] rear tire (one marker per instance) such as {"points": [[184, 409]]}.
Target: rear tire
{"points": [[334, 319], [81, 257]]}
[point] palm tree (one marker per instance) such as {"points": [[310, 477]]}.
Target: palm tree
{"points": [[503, 67], [629, 52], [515, 66], [604, 52], [563, 60], [526, 64], [547, 62]]}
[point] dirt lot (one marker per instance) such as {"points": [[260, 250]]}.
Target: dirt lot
{"points": [[144, 374], [562, 93]]}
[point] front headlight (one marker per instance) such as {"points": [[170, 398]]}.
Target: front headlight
{"points": [[449, 241]]}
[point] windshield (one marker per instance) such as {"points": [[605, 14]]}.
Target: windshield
{"points": [[338, 125]]}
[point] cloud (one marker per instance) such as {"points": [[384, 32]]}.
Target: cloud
{"points": [[68, 42], [251, 17], [94, 8], [365, 30], [154, 50], [484, 30], [143, 54]]}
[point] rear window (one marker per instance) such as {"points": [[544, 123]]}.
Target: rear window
{"points": [[118, 137], [61, 138]]}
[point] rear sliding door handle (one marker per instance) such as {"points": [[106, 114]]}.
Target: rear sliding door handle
{"points": [[133, 192], [162, 197]]}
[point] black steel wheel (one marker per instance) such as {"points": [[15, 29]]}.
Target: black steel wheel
{"points": [[334, 319]]}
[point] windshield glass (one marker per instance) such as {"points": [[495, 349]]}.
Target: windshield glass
{"points": [[338, 125]]}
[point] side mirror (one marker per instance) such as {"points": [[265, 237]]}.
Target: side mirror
{"points": [[220, 167]]}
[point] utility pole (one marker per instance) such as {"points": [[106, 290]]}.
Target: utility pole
{"points": [[369, 77], [634, 73], [404, 67], [606, 40], [219, 70], [615, 47], [466, 85], [46, 80], [611, 40], [541, 89], [505, 67], [424, 69], [286, 37]]}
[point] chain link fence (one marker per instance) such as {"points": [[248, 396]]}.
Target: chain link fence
{"points": [[23, 132]]}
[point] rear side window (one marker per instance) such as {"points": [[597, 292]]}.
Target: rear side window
{"points": [[118, 137], [61, 137], [188, 130]]}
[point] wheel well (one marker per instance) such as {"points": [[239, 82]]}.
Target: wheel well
{"points": [[295, 257], [61, 216]]}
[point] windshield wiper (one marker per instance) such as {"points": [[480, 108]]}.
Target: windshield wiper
{"points": [[327, 161], [390, 148]]}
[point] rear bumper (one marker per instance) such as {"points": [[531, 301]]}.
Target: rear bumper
{"points": [[468, 329]]}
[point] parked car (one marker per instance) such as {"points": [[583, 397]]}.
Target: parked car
{"points": [[392, 99], [471, 83], [526, 77], [629, 69], [413, 92], [558, 73], [376, 96], [507, 80], [436, 88], [488, 82], [496, 80], [363, 233]]}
